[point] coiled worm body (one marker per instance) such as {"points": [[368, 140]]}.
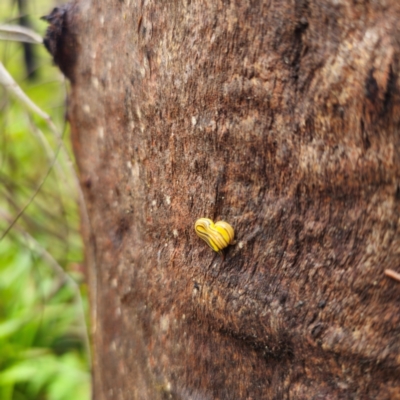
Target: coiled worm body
{"points": [[217, 236]]}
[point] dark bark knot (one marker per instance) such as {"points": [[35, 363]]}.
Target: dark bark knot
{"points": [[60, 41]]}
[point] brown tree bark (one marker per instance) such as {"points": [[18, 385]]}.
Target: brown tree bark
{"points": [[281, 117]]}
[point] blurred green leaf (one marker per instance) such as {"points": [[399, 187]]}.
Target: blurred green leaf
{"points": [[20, 372], [10, 327]]}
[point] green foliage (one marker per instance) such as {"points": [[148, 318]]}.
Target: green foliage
{"points": [[43, 340]]}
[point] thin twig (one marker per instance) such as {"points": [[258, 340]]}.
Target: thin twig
{"points": [[19, 33], [392, 274], [22, 210], [8, 82]]}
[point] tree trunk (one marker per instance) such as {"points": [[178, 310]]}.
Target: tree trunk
{"points": [[280, 117]]}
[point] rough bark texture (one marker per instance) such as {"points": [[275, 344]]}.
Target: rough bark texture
{"points": [[281, 117]]}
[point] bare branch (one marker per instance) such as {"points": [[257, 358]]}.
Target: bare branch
{"points": [[19, 34]]}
